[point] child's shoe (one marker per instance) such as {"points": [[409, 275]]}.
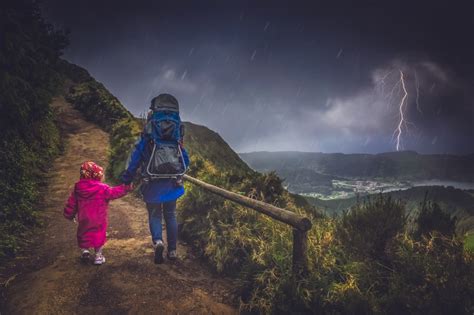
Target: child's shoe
{"points": [[172, 255], [99, 259], [85, 256], [159, 247]]}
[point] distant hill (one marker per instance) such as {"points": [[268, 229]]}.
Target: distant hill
{"points": [[456, 202], [301, 180], [406, 165], [209, 145]]}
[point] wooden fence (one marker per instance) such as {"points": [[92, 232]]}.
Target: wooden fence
{"points": [[301, 225]]}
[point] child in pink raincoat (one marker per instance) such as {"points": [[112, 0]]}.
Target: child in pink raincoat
{"points": [[88, 204]]}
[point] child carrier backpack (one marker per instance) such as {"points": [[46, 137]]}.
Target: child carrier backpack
{"points": [[165, 133]]}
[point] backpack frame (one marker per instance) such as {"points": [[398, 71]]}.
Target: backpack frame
{"points": [[166, 131]]}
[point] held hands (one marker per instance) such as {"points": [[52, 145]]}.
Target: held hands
{"points": [[129, 187], [126, 178]]}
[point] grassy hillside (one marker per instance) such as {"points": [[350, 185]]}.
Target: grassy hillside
{"points": [[364, 262], [405, 165], [29, 139], [101, 107], [207, 145], [301, 180]]}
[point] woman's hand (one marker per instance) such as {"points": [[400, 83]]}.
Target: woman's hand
{"points": [[126, 178], [129, 187]]}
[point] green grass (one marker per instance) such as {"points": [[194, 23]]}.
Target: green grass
{"points": [[29, 137], [469, 243]]}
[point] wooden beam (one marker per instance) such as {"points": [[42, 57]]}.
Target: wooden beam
{"points": [[295, 220]]}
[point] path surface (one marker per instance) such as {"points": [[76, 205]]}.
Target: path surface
{"points": [[53, 281]]}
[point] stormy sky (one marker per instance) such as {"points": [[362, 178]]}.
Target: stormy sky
{"points": [[294, 75]]}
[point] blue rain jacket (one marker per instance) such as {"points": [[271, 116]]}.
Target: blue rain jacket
{"points": [[157, 190]]}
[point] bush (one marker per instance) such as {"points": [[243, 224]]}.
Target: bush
{"points": [[432, 218], [29, 139], [368, 227], [431, 275]]}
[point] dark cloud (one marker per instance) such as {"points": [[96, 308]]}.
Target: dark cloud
{"points": [[288, 76]]}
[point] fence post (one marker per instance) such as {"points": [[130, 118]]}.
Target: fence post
{"points": [[301, 225], [300, 246]]}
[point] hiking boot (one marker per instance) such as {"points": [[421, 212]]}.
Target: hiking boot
{"points": [[159, 247], [99, 259], [172, 255], [85, 256]]}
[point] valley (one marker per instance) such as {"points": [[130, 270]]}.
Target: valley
{"points": [[330, 176], [343, 189], [335, 182]]}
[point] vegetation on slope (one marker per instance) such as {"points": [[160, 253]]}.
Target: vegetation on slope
{"points": [[29, 78], [366, 261], [207, 145], [455, 202], [98, 105]]}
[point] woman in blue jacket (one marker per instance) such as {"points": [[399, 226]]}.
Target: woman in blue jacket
{"points": [[160, 195]]}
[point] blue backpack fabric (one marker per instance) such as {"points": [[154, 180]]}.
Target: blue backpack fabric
{"points": [[165, 127], [166, 133]]}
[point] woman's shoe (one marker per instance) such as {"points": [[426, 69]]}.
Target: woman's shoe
{"points": [[172, 255], [159, 247]]}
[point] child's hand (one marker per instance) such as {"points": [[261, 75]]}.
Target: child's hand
{"points": [[129, 187], [74, 220]]}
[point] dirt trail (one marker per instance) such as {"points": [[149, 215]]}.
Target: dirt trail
{"points": [[53, 281]]}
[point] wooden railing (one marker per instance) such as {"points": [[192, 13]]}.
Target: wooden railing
{"points": [[301, 225]]}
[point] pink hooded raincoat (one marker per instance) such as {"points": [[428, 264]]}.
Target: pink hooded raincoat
{"points": [[89, 204]]}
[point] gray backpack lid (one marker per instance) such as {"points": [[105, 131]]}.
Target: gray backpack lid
{"points": [[165, 102]]}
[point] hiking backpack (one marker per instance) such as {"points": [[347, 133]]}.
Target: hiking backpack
{"points": [[165, 133]]}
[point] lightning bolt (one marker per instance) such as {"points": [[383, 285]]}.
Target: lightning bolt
{"points": [[397, 95], [402, 121]]}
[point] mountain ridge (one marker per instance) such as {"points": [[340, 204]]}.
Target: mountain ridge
{"points": [[406, 165], [358, 153]]}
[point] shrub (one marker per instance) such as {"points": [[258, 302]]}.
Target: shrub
{"points": [[29, 139], [431, 275], [367, 228], [433, 218]]}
